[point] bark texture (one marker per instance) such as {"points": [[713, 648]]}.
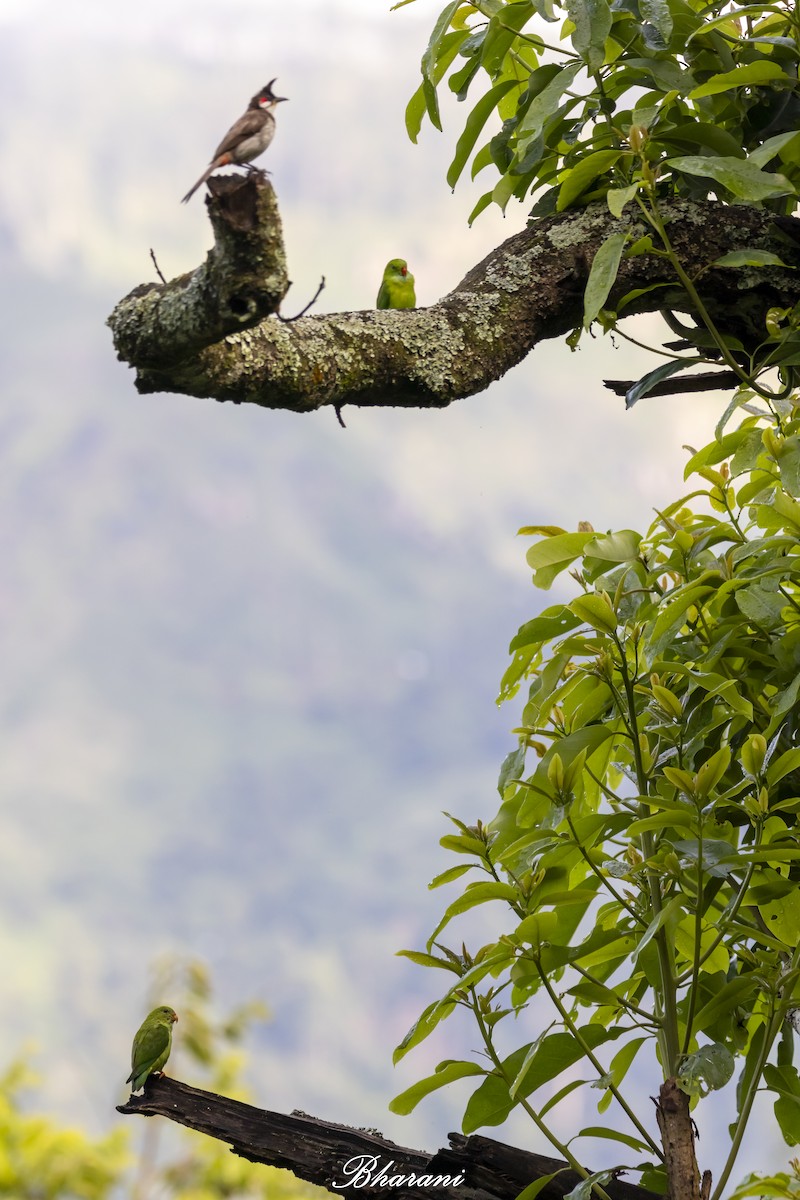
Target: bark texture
{"points": [[317, 1151], [677, 1137], [215, 333]]}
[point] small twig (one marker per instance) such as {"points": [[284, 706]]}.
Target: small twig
{"points": [[337, 408], [157, 267], [303, 311]]}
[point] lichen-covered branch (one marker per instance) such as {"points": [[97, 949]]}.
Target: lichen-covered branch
{"points": [[241, 282], [207, 334], [343, 1159]]}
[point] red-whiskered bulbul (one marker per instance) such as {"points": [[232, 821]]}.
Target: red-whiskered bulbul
{"points": [[245, 139]]}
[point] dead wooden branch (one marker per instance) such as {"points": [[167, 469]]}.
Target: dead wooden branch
{"points": [[332, 1156]]}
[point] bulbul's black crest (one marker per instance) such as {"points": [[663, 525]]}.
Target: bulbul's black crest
{"points": [[266, 96]]}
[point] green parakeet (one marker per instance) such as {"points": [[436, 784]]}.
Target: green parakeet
{"points": [[151, 1045], [397, 286]]}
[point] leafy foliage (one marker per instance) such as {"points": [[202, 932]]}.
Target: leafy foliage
{"points": [[43, 1161], [646, 849], [699, 98]]}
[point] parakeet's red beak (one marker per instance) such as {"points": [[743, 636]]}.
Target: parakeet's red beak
{"points": [[404, 270]]}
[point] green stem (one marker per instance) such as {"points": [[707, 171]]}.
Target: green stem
{"points": [[619, 332], [647, 1017], [589, 1053], [623, 903], [562, 1148], [771, 1033], [730, 916], [538, 43], [696, 958], [669, 1026]]}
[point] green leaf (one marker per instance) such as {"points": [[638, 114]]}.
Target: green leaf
{"points": [[725, 1001], [553, 1054], [700, 133], [617, 198], [433, 51], [622, 1060], [749, 258], [554, 81], [445, 1073], [415, 111], [764, 70], [781, 704], [519, 1078], [664, 820], [741, 177], [563, 547], [761, 602], [667, 74], [474, 894], [585, 1189], [774, 145], [726, 19], [712, 771], [785, 1081], [592, 20], [475, 123], [782, 766], [625, 1139], [708, 1069], [449, 875], [428, 960], [782, 917], [577, 179], [424, 1025], [617, 547], [669, 912], [596, 611], [672, 614], [483, 203], [658, 14], [648, 381], [555, 622], [602, 276], [538, 1185], [560, 1095]]}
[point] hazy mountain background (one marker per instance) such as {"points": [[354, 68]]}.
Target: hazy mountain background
{"points": [[247, 657]]}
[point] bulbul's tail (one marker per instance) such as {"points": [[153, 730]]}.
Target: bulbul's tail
{"points": [[206, 174]]}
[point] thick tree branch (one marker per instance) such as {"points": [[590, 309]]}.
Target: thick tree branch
{"points": [[330, 1155], [208, 334], [242, 281]]}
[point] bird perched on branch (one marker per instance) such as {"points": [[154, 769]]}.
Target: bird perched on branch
{"points": [[247, 138], [397, 286], [151, 1045]]}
